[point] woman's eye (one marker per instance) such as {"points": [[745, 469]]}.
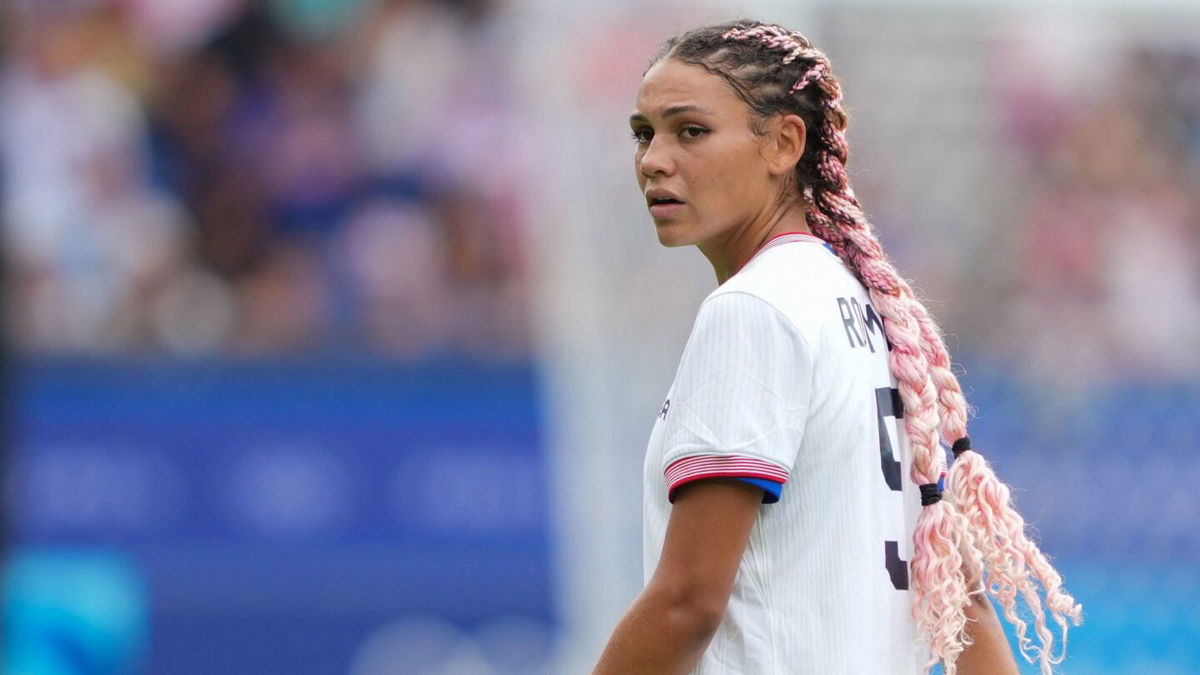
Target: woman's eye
{"points": [[642, 135], [693, 132]]}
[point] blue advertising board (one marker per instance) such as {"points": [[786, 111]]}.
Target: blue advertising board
{"points": [[281, 515]]}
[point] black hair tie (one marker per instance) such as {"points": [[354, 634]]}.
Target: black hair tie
{"points": [[961, 445], [931, 493]]}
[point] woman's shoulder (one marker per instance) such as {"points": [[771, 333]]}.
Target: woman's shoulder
{"points": [[797, 272], [801, 282]]}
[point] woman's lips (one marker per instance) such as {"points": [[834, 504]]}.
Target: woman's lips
{"points": [[666, 209]]}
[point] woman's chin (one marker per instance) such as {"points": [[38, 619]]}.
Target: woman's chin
{"points": [[673, 233]]}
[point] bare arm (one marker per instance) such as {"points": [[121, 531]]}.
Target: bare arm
{"points": [[989, 653], [672, 621]]}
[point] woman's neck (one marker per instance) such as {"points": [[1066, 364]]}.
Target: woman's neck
{"points": [[731, 252]]}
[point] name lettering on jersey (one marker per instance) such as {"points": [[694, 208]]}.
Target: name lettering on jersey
{"points": [[861, 323], [666, 406]]}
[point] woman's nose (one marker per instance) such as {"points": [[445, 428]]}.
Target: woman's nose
{"points": [[656, 160]]}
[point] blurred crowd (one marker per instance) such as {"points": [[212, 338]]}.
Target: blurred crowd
{"points": [[1107, 266], [1038, 176], [245, 177], [250, 178]]}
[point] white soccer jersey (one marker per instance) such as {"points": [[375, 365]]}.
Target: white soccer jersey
{"points": [[785, 379]]}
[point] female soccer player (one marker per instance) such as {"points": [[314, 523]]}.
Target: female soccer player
{"points": [[792, 523]]}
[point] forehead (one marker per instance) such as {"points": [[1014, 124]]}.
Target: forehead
{"points": [[672, 83]]}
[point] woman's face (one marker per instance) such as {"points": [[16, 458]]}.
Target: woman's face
{"points": [[698, 163]]}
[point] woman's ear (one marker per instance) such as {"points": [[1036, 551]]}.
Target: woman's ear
{"points": [[783, 154]]}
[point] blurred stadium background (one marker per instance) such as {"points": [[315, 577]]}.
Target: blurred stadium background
{"points": [[336, 328]]}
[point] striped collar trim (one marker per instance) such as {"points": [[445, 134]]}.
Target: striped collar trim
{"points": [[787, 238]]}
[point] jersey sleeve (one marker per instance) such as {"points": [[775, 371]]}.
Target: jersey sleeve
{"points": [[741, 397]]}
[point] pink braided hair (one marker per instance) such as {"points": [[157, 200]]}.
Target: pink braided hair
{"points": [[938, 582], [981, 523]]}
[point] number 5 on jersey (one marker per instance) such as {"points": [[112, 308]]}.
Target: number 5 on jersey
{"points": [[887, 404]]}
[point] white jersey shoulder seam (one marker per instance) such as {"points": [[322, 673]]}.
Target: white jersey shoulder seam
{"points": [[719, 292]]}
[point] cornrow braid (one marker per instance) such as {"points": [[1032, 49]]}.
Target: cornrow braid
{"points": [[794, 44], [977, 528]]}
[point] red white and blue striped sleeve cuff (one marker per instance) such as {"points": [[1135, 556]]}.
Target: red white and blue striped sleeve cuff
{"points": [[764, 474]]}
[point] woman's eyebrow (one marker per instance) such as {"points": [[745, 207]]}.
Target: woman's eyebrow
{"points": [[673, 110]]}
